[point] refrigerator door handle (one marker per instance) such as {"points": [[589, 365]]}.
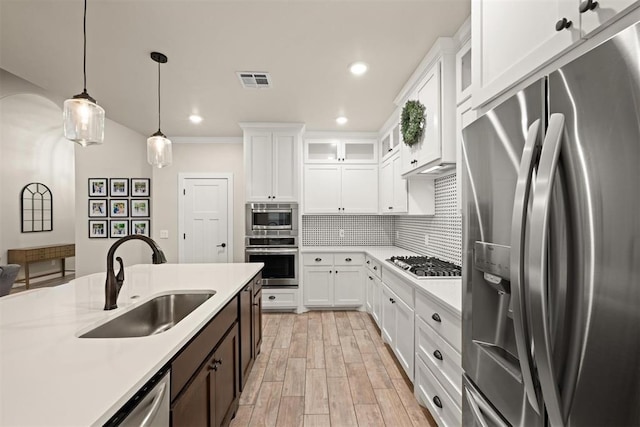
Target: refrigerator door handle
{"points": [[480, 408], [518, 227], [537, 272]]}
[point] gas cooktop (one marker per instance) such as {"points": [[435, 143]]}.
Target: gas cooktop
{"points": [[424, 267]]}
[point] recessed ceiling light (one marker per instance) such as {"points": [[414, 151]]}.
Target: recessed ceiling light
{"points": [[358, 68], [341, 120], [195, 118]]}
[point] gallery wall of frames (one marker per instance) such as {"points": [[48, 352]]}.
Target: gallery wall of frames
{"points": [[119, 207]]}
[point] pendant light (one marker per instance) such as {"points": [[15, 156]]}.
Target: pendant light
{"points": [[158, 145], [83, 118]]}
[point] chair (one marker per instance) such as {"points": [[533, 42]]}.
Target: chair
{"points": [[8, 274]]}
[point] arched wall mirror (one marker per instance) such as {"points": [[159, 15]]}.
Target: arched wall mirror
{"points": [[37, 208]]}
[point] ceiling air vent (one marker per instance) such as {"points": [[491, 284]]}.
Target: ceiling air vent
{"points": [[252, 80]]}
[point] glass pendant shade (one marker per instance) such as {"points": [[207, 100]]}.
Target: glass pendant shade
{"points": [[83, 120], [159, 150]]}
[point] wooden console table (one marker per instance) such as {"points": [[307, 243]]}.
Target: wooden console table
{"points": [[26, 256]]}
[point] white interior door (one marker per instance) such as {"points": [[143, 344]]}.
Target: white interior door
{"points": [[205, 229]]}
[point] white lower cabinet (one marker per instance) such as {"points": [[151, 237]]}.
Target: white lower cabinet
{"points": [[397, 328], [333, 280], [438, 381], [430, 393]]}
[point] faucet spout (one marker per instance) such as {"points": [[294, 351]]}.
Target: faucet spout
{"points": [[114, 282]]}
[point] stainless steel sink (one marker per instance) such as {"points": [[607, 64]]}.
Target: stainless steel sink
{"points": [[152, 317]]}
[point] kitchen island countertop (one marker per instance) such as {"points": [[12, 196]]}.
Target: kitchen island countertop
{"points": [[50, 377]]}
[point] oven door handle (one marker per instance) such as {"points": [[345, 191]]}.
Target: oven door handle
{"points": [[271, 211], [271, 251]]}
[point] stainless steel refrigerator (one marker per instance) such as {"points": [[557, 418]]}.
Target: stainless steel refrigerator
{"points": [[551, 276]]}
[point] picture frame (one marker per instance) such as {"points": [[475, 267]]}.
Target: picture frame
{"points": [[141, 227], [140, 208], [140, 187], [98, 187], [97, 229], [118, 228], [118, 208], [98, 208], [118, 187]]}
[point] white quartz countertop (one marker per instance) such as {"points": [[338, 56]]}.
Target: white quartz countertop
{"points": [[447, 291], [50, 377]]}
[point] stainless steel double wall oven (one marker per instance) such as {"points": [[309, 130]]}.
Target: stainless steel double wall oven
{"points": [[272, 238]]}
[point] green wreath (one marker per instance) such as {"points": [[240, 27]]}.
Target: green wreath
{"points": [[412, 122]]}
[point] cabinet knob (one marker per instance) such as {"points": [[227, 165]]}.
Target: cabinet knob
{"points": [[368, 262], [587, 5], [392, 300], [268, 197], [563, 24], [370, 278], [436, 317], [330, 271], [272, 297], [437, 354], [222, 245], [389, 150], [375, 267], [256, 304], [318, 259], [437, 401], [347, 259], [259, 281], [390, 207]]}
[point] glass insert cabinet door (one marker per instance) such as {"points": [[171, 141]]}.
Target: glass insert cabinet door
{"points": [[342, 151], [36, 208]]}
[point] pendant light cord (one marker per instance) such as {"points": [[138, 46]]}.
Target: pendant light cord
{"points": [[158, 96], [84, 56]]}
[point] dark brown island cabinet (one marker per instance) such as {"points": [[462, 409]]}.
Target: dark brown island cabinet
{"points": [[208, 373]]}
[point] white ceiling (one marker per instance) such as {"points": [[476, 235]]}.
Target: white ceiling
{"points": [[305, 45]]}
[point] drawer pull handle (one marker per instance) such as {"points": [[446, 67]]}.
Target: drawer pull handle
{"points": [[437, 401], [256, 304], [370, 278], [348, 259], [272, 297], [436, 317], [318, 259], [437, 354], [392, 300]]}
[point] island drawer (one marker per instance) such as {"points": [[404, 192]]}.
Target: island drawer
{"points": [[445, 323], [195, 352]]}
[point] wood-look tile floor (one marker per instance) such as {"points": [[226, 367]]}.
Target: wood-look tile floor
{"points": [[326, 368]]}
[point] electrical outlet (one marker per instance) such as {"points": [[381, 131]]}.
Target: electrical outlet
{"points": [[341, 232], [397, 234], [164, 234], [426, 240]]}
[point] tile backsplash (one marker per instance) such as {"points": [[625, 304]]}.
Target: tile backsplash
{"points": [[359, 230], [444, 228]]}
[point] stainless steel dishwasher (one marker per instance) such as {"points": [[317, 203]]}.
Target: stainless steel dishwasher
{"points": [[149, 407]]}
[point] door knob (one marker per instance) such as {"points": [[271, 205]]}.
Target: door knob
{"points": [[587, 5], [223, 245]]}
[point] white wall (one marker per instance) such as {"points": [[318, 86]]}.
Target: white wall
{"points": [[32, 149], [193, 158], [30, 115], [122, 155]]}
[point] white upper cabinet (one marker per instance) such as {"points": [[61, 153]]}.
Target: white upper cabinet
{"points": [[433, 84], [271, 161], [390, 141], [463, 72], [336, 150], [598, 13], [330, 189], [393, 188], [514, 40]]}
